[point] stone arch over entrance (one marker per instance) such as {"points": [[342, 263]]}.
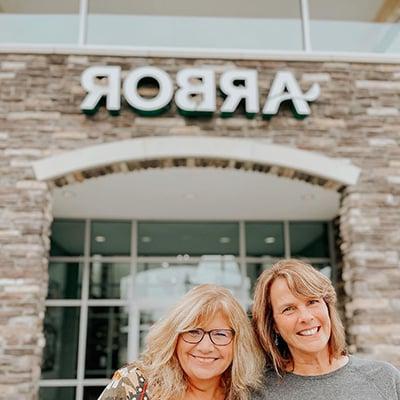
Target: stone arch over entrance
{"points": [[189, 151]]}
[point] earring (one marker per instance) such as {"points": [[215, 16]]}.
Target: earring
{"points": [[276, 339]]}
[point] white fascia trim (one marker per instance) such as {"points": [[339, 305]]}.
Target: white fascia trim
{"points": [[237, 149], [181, 52]]}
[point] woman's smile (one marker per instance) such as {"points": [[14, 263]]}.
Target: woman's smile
{"points": [[309, 331], [202, 359]]}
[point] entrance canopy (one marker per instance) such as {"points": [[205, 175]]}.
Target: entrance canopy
{"points": [[195, 178], [188, 151]]}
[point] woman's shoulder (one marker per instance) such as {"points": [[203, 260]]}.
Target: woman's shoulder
{"points": [[375, 370], [368, 365], [127, 383], [271, 377]]}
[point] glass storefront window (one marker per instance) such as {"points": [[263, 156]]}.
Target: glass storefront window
{"points": [[167, 260], [109, 280], [354, 26], [276, 25], [253, 271], [309, 239], [325, 268], [153, 281], [57, 393], [92, 392], [67, 238], [65, 280], [107, 341], [264, 239], [146, 319], [61, 330], [187, 239], [110, 238], [206, 25], [41, 22]]}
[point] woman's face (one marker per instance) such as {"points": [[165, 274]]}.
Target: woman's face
{"points": [[303, 323], [205, 361]]}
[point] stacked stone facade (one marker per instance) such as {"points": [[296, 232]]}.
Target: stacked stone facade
{"points": [[357, 117]]}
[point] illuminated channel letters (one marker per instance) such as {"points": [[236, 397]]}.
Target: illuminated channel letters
{"points": [[196, 91]]}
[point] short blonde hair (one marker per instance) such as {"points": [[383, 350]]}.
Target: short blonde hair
{"points": [[303, 280], [160, 364]]}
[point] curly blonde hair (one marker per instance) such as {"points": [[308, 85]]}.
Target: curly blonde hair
{"points": [[159, 362]]}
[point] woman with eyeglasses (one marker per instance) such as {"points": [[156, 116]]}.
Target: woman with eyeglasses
{"points": [[203, 349]]}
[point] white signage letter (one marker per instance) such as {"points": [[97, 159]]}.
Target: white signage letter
{"points": [[192, 82], [157, 103], [234, 93], [96, 90], [285, 87]]}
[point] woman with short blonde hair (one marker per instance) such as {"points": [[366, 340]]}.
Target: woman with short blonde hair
{"points": [[208, 330]]}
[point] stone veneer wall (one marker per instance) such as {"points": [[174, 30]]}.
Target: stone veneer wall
{"points": [[357, 117]]}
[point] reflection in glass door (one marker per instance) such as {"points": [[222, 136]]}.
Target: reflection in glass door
{"points": [[157, 286]]}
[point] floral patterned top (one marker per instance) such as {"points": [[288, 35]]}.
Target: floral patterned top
{"points": [[127, 383]]}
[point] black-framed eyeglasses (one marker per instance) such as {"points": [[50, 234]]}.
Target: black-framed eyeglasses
{"points": [[220, 337]]}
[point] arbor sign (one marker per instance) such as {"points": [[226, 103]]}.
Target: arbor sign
{"points": [[195, 92]]}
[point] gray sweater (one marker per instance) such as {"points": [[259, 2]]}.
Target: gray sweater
{"points": [[359, 379]]}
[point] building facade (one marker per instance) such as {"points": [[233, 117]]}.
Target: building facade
{"points": [[130, 174]]}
